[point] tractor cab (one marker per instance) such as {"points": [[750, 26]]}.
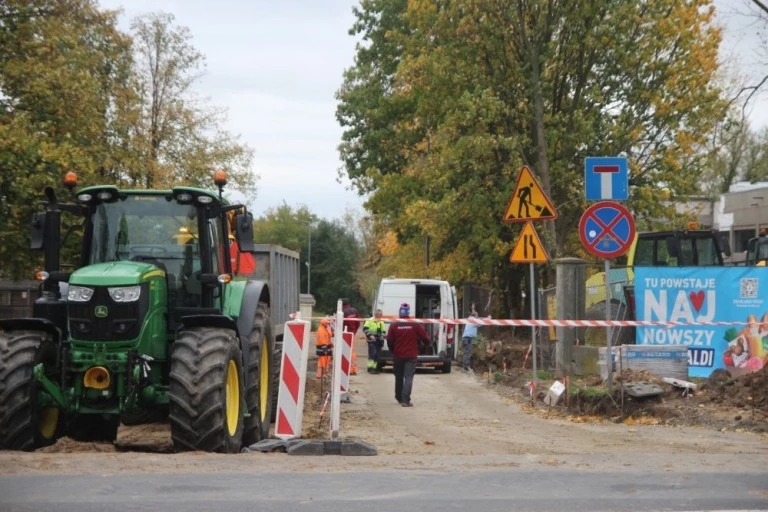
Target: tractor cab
{"points": [[136, 242], [757, 250]]}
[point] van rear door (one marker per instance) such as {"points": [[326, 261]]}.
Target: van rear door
{"points": [[448, 310], [392, 294]]}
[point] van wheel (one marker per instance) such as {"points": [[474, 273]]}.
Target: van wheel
{"points": [[446, 367]]}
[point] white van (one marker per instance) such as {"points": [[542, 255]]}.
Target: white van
{"points": [[428, 298]]}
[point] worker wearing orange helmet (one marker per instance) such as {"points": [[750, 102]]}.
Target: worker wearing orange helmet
{"points": [[324, 348]]}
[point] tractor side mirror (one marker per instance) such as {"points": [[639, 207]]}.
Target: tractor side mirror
{"points": [[244, 231], [37, 226]]}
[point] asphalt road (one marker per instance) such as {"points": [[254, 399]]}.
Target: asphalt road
{"points": [[405, 490]]}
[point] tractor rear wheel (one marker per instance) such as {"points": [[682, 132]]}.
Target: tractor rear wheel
{"points": [[206, 391], [94, 427], [22, 425], [258, 396]]}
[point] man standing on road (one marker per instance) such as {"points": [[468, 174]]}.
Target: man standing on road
{"points": [[403, 341], [373, 328], [468, 340]]}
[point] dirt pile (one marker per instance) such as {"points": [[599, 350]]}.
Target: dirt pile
{"points": [[315, 426], [722, 401], [69, 445], [750, 390], [148, 437]]}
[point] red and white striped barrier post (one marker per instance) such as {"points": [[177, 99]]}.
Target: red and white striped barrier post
{"points": [[293, 380], [336, 380], [346, 363]]}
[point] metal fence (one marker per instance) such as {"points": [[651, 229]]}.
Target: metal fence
{"points": [[547, 336], [17, 297], [483, 298]]}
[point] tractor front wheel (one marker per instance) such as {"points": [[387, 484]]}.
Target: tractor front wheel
{"points": [[206, 391], [24, 426]]}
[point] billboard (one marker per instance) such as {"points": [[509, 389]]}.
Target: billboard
{"points": [[700, 295]]}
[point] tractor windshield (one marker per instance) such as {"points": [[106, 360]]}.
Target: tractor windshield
{"points": [[142, 227]]}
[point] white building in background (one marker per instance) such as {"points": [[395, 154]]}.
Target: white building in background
{"points": [[741, 213]]}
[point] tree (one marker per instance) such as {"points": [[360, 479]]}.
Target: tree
{"points": [[290, 228], [371, 145], [495, 85], [178, 138], [64, 86], [335, 256], [335, 260], [737, 153]]}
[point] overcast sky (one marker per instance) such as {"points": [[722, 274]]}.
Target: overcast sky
{"points": [[277, 64]]}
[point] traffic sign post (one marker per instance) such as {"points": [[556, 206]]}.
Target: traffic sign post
{"points": [[607, 230], [606, 178], [529, 202]]}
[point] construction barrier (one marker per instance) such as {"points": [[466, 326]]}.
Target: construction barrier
{"points": [[336, 386], [293, 379], [346, 360], [547, 323]]}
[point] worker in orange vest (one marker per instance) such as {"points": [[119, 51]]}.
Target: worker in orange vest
{"points": [[324, 348]]}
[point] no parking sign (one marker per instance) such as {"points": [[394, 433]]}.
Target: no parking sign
{"points": [[607, 229]]}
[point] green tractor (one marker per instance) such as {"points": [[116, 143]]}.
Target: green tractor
{"points": [[153, 322]]}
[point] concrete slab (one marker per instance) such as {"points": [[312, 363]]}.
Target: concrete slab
{"points": [[345, 447], [643, 389]]}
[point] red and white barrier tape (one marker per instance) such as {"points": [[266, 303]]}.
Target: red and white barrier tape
{"points": [[545, 323]]}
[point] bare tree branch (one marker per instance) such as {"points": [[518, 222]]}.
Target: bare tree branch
{"points": [[753, 89], [761, 5]]}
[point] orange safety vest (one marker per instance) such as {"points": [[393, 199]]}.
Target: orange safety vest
{"points": [[243, 263], [323, 337]]}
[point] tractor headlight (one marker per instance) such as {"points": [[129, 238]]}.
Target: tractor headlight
{"points": [[79, 293], [125, 293]]}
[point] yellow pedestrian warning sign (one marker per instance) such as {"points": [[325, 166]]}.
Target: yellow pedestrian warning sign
{"points": [[529, 248], [528, 201]]}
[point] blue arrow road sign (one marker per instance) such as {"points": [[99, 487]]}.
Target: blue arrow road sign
{"points": [[606, 178]]}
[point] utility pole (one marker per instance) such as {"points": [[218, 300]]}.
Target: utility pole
{"points": [[309, 257]]}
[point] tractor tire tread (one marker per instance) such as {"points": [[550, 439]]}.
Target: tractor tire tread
{"points": [[255, 429], [19, 352], [197, 396]]}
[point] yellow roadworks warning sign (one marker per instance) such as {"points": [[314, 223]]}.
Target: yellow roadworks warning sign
{"points": [[528, 201], [529, 248]]}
